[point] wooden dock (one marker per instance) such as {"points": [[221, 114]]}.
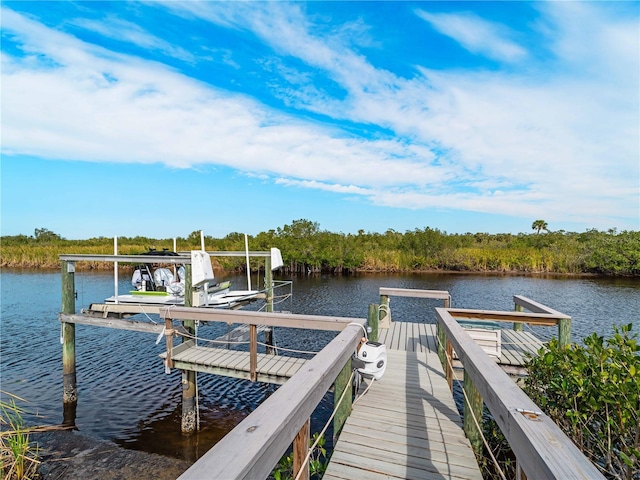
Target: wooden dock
{"points": [[407, 424]]}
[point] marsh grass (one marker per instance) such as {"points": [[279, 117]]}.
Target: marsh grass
{"points": [[18, 455]]}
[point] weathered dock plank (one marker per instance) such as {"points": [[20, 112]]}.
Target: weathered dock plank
{"points": [[406, 425]]}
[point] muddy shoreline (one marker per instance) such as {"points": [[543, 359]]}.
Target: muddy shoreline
{"points": [[71, 455]]}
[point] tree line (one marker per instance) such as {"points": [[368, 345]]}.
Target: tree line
{"points": [[307, 248]]}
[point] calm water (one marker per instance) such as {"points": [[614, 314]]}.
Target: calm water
{"points": [[125, 396]]}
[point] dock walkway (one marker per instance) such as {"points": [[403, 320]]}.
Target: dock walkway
{"points": [[407, 425]]}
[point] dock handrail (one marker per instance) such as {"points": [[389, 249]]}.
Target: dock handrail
{"points": [[384, 315], [267, 432], [541, 448]]}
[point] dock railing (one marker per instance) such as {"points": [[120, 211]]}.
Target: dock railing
{"points": [[541, 449], [254, 447]]}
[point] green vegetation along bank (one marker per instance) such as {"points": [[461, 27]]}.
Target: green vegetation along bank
{"points": [[307, 248]]}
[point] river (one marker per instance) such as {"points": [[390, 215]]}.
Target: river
{"points": [[125, 396]]}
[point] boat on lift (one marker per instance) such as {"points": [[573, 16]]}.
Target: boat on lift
{"points": [[161, 286]]}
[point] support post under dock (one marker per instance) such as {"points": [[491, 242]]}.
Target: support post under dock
{"points": [[189, 390], [69, 385]]}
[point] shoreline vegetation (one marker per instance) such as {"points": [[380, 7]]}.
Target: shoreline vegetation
{"points": [[308, 249]]}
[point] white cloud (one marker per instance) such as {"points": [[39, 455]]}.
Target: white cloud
{"points": [[99, 106], [476, 35], [122, 30], [315, 185]]}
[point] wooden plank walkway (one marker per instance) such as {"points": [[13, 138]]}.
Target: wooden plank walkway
{"points": [[232, 363], [407, 425]]}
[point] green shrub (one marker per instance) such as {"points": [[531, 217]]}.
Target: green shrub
{"points": [[317, 462], [593, 393]]}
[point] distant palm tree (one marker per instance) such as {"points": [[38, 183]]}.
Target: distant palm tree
{"points": [[540, 225]]}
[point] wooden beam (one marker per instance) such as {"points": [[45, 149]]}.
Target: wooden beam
{"points": [[117, 323], [536, 307], [412, 292], [315, 322], [541, 448], [169, 259], [122, 309], [543, 319]]}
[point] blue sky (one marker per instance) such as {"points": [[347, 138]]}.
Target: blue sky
{"points": [[163, 118]]}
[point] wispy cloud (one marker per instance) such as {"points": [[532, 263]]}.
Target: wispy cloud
{"points": [[476, 35], [125, 31]]}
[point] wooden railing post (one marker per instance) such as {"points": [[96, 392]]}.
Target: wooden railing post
{"points": [[471, 409], [442, 339], [564, 332], [344, 409], [385, 317], [373, 321], [69, 385], [189, 413], [253, 352], [300, 449], [517, 326], [448, 369]]}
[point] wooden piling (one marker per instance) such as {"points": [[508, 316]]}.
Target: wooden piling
{"points": [[564, 332], [374, 311], [189, 388], [518, 326], [344, 409], [300, 449], [473, 408], [69, 385]]}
